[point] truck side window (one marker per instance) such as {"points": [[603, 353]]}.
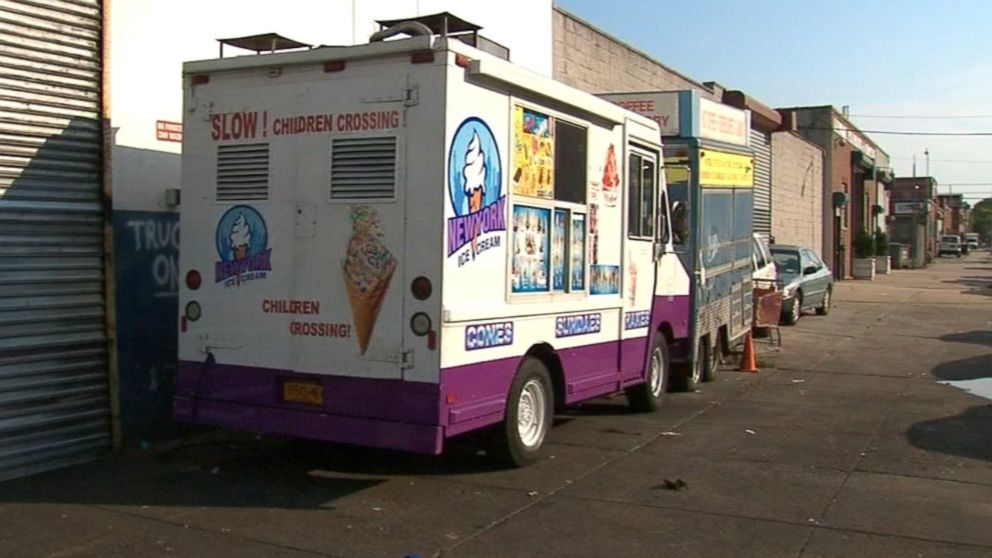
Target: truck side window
{"points": [[641, 208]]}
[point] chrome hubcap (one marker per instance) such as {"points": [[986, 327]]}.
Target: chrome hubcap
{"points": [[796, 308], [655, 379], [531, 413]]}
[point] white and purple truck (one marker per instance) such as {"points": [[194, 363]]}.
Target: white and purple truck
{"points": [[395, 243]]}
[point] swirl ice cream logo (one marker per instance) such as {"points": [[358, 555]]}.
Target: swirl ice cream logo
{"points": [[243, 246], [475, 187]]}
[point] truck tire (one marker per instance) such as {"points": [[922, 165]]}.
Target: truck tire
{"points": [[712, 356], [529, 414], [689, 375], [646, 397]]}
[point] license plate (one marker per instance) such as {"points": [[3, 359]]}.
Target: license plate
{"points": [[303, 392]]}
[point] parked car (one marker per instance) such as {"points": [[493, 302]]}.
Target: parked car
{"points": [[971, 240], [805, 281], [949, 244]]}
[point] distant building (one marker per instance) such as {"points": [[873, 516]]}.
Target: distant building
{"points": [[957, 214], [916, 216]]}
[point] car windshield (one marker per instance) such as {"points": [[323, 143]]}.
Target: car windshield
{"points": [[951, 239], [786, 262]]}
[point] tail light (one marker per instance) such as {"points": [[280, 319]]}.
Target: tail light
{"points": [[193, 279], [421, 288]]}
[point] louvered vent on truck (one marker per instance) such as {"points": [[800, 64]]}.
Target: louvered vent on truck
{"points": [[363, 168], [243, 172]]}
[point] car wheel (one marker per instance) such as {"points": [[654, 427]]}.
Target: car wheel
{"points": [[529, 413], [824, 307], [646, 397], [795, 310]]}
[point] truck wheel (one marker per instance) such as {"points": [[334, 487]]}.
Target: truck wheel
{"points": [[529, 413], [711, 358], [824, 308], [646, 397], [688, 375]]}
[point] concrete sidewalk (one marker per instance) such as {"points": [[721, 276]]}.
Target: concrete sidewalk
{"points": [[848, 446]]}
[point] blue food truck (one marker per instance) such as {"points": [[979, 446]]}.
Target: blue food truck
{"points": [[710, 173]]}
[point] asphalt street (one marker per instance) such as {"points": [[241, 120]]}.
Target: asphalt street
{"points": [[846, 443]]}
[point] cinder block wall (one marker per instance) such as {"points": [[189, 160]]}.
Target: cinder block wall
{"points": [[797, 191], [593, 61]]}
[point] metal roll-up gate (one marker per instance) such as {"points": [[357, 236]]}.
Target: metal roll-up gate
{"points": [[54, 392], [761, 144]]}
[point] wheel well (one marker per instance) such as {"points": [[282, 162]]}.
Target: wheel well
{"points": [[665, 329], [549, 357]]}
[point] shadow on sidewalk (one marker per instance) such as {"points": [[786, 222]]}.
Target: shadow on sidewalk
{"points": [[971, 368], [975, 337], [966, 435]]}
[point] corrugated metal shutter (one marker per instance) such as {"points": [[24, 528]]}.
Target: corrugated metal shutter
{"points": [[54, 402], [761, 143]]}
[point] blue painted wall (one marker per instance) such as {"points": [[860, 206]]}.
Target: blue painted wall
{"points": [[146, 257]]}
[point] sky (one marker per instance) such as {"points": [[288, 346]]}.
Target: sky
{"points": [[882, 58]]}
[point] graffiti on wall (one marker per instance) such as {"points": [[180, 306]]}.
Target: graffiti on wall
{"points": [[146, 272]]}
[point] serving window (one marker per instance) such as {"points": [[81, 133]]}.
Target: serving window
{"points": [[549, 235]]}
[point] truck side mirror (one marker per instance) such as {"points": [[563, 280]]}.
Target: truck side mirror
{"points": [[680, 222]]}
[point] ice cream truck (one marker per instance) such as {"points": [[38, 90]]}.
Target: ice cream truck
{"points": [[395, 243], [709, 168]]}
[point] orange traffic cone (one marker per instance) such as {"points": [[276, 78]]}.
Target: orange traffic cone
{"points": [[748, 361]]}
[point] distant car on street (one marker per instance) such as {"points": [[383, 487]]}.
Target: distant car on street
{"points": [[949, 244], [805, 281], [971, 240]]}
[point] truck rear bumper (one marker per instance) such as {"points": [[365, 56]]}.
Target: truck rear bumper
{"points": [[309, 424], [383, 413]]}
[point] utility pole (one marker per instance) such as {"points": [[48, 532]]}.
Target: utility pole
{"points": [[926, 153]]}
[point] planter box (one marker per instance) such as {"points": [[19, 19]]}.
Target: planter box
{"points": [[883, 265], [864, 268]]}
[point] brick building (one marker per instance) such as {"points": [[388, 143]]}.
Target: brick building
{"points": [[956, 214], [592, 60], [797, 191], [916, 216], [854, 168]]}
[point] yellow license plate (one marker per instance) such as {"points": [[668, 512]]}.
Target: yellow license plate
{"points": [[303, 392]]}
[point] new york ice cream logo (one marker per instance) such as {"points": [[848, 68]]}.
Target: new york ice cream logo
{"points": [[243, 246], [475, 186]]}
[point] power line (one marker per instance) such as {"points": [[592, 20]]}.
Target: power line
{"points": [[922, 117], [897, 132], [975, 161]]}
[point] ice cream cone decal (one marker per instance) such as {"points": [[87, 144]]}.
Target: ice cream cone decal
{"points": [[611, 178], [474, 174], [240, 237], [368, 269]]}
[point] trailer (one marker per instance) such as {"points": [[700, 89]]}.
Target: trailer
{"points": [[395, 243]]}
